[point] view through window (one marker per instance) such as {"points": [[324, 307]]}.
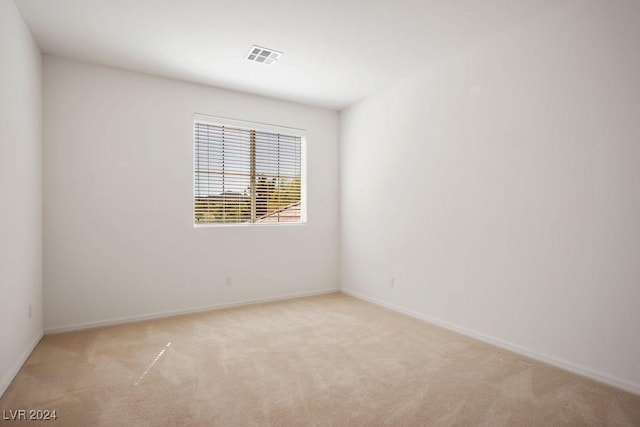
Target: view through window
{"points": [[246, 175]]}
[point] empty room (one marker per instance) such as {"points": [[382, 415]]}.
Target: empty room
{"points": [[306, 213]]}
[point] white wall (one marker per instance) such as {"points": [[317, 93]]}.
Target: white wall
{"points": [[20, 193], [501, 189], [119, 235]]}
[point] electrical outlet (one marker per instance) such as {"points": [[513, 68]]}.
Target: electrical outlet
{"points": [[392, 282], [227, 281], [29, 311]]}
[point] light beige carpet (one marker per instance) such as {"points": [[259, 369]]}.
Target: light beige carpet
{"points": [[326, 360]]}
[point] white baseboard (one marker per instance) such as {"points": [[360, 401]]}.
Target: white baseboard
{"points": [[6, 381], [544, 358], [161, 314]]}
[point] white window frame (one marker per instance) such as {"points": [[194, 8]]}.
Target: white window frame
{"points": [[257, 126]]}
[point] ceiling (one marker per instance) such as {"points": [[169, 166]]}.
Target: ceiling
{"points": [[335, 51]]}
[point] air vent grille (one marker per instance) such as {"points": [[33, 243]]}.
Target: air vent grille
{"points": [[263, 55]]}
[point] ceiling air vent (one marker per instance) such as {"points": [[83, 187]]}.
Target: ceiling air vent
{"points": [[263, 55]]}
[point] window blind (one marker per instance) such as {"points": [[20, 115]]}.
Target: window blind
{"points": [[246, 176]]}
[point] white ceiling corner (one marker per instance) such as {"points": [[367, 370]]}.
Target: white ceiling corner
{"points": [[335, 52]]}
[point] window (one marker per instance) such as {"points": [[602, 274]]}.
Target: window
{"points": [[247, 173]]}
